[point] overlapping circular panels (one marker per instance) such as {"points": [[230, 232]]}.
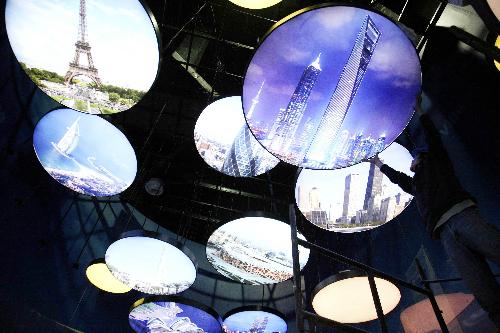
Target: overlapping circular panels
{"points": [[326, 74], [91, 56]]}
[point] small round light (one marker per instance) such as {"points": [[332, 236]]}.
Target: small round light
{"points": [[346, 297], [151, 263], [254, 318], [255, 4], [99, 275]]}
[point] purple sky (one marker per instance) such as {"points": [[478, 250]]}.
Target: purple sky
{"points": [[384, 101]]}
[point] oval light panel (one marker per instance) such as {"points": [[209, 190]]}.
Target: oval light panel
{"points": [[84, 153]]}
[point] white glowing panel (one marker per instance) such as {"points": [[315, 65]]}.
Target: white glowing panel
{"points": [[254, 250], [150, 265], [91, 56], [84, 153], [355, 198], [226, 144], [350, 300], [255, 4]]}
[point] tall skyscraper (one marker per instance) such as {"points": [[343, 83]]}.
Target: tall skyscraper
{"points": [[246, 157], [373, 186], [352, 195], [314, 202], [350, 79], [288, 121], [255, 101]]}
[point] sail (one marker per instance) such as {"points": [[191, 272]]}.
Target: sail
{"points": [[70, 139]]}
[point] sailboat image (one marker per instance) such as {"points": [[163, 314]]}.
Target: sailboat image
{"points": [[70, 139]]}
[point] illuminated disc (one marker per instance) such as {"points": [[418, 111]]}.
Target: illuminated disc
{"points": [[497, 44], [100, 276], [225, 143], [173, 314], [356, 198], [148, 263], [255, 4], [92, 56], [249, 319], [84, 153], [254, 250], [328, 74], [346, 297]]}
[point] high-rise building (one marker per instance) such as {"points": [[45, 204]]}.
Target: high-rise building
{"points": [[351, 77], [287, 122], [373, 185], [247, 157], [314, 202], [255, 101], [352, 195], [259, 325], [303, 199]]}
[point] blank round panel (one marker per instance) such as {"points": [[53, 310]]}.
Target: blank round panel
{"points": [[151, 265], [249, 319], [99, 275], [328, 77], [226, 144], [173, 314], [91, 56], [356, 198], [255, 4], [254, 250], [84, 153], [346, 297]]}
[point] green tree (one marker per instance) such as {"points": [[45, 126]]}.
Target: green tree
{"points": [[114, 97]]}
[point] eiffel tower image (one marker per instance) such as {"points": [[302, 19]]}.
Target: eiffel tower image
{"points": [[82, 48]]}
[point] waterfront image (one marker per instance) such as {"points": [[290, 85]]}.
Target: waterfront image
{"points": [[84, 153], [171, 317], [355, 198], [254, 321], [92, 56], [224, 141], [335, 85], [150, 265], [254, 250]]}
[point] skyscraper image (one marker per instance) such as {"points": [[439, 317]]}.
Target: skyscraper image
{"points": [[288, 120], [352, 195], [320, 149], [373, 186], [255, 101], [246, 157]]}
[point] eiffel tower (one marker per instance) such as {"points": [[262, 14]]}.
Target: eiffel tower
{"points": [[82, 47]]}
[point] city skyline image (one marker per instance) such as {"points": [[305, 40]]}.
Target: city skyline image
{"points": [[172, 317], [355, 198], [92, 56], [84, 153], [241, 251], [254, 322], [329, 102], [226, 144]]}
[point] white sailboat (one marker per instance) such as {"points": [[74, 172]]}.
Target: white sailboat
{"points": [[70, 139]]}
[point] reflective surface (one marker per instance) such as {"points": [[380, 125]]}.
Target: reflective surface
{"points": [[254, 250], [325, 77], [84, 153], [150, 265], [172, 316], [225, 143], [355, 198], [92, 56]]}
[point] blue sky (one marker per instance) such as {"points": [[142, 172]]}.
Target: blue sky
{"points": [[98, 138], [124, 47], [384, 102], [242, 321]]}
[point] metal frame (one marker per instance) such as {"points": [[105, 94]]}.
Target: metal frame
{"points": [[302, 314]]}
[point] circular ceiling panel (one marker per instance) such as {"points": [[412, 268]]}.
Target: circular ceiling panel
{"points": [[255, 4], [84, 153], [254, 250], [356, 198], [99, 275], [91, 56], [173, 314], [149, 263], [224, 141], [248, 319], [327, 75]]}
